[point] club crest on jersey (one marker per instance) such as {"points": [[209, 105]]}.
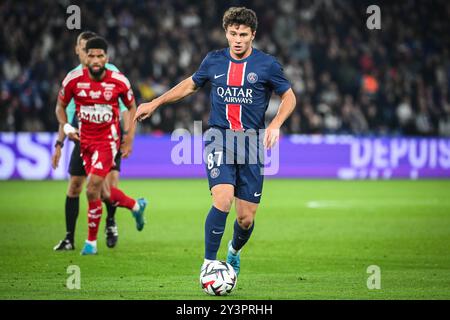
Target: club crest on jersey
{"points": [[95, 94], [215, 172], [108, 95], [252, 77]]}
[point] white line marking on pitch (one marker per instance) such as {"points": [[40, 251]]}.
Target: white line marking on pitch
{"points": [[343, 204]]}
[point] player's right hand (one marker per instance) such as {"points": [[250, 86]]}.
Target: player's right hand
{"points": [[74, 136], [145, 110], [55, 157]]}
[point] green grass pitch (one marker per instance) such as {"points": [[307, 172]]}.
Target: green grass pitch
{"points": [[312, 240]]}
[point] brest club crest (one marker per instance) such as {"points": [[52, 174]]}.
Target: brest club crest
{"points": [[107, 94]]}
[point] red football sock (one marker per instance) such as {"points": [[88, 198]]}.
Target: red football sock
{"points": [[94, 217], [120, 199]]}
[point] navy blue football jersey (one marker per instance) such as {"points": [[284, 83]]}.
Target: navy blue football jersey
{"points": [[240, 89]]}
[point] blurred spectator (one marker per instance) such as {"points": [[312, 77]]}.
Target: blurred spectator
{"points": [[348, 79], [405, 115]]}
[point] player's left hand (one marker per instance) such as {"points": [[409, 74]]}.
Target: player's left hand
{"points": [[271, 136], [126, 148], [145, 110]]}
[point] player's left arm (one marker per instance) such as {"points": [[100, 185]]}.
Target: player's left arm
{"points": [[126, 99], [124, 114], [124, 117], [287, 106], [125, 122], [129, 128]]}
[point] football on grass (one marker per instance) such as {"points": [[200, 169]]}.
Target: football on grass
{"points": [[218, 278]]}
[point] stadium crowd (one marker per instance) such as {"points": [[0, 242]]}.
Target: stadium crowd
{"points": [[348, 79]]}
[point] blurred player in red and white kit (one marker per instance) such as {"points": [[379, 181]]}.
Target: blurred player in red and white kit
{"points": [[96, 92]]}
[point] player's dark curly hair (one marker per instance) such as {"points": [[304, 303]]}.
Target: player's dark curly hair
{"points": [[238, 16], [97, 43]]}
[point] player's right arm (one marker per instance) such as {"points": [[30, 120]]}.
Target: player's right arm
{"points": [[183, 89], [64, 97], [57, 153], [180, 91], [61, 115]]}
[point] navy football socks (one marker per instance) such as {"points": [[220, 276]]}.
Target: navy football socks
{"points": [[241, 236], [214, 228]]}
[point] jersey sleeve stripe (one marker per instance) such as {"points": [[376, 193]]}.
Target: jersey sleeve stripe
{"points": [[72, 75], [121, 78]]}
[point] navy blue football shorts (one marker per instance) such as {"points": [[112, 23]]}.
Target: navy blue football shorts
{"points": [[236, 158]]}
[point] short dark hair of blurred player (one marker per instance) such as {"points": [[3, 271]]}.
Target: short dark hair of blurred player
{"points": [[96, 92], [76, 169], [243, 79]]}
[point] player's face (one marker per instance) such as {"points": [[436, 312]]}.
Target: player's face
{"points": [[240, 38], [80, 50], [96, 61]]}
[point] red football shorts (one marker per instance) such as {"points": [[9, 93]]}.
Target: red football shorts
{"points": [[98, 158]]}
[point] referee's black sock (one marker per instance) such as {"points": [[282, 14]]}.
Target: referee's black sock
{"points": [[72, 208], [111, 210]]}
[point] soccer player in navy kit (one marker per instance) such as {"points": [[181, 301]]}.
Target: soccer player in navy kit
{"points": [[242, 80]]}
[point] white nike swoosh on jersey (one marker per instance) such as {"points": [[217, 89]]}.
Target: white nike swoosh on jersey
{"points": [[217, 232], [218, 76], [256, 194]]}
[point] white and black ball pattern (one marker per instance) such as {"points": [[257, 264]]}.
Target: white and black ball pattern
{"points": [[218, 278]]}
